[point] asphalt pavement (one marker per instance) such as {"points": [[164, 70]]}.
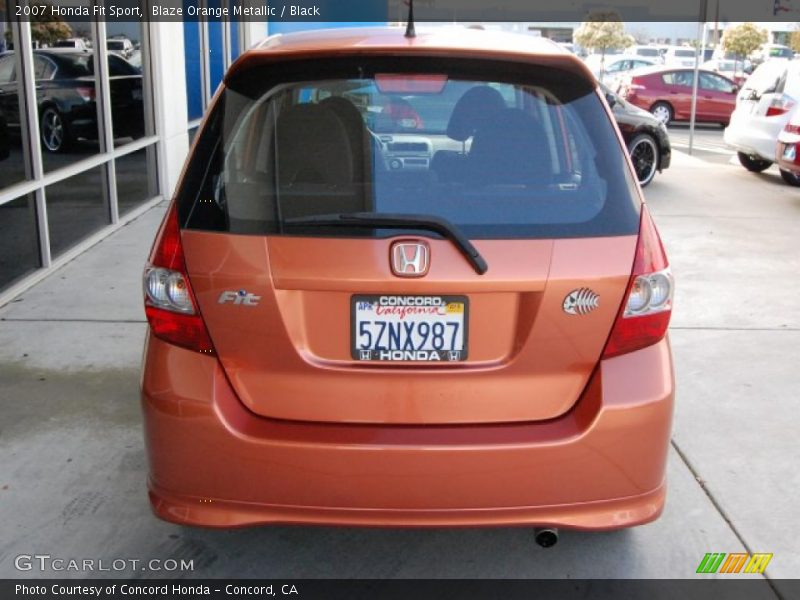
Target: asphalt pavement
{"points": [[73, 468], [706, 142]]}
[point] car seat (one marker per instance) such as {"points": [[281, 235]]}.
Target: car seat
{"points": [[478, 105], [510, 149]]}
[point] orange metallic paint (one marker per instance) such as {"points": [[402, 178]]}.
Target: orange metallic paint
{"points": [[212, 462], [284, 427], [383, 41], [529, 360]]}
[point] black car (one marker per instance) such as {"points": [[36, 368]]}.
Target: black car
{"points": [[645, 136], [65, 94]]}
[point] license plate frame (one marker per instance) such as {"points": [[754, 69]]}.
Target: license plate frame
{"points": [[380, 354]]}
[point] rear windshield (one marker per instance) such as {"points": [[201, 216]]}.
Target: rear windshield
{"points": [[767, 78], [499, 150], [648, 52], [684, 53]]}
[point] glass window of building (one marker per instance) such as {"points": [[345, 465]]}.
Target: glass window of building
{"points": [[130, 93], [66, 91], [19, 250], [76, 208], [13, 158], [216, 56], [77, 135], [133, 188], [209, 49], [193, 65]]}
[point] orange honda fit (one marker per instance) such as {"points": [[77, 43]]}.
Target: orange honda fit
{"points": [[408, 281]]}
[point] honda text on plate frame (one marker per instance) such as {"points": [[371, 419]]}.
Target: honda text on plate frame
{"points": [[408, 281]]}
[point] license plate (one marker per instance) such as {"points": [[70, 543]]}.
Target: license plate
{"points": [[427, 329]]}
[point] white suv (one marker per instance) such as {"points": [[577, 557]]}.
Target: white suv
{"points": [[768, 52], [680, 56], [651, 52], [763, 107], [73, 44], [121, 46]]}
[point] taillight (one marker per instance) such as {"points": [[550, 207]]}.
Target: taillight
{"points": [[86, 93], [795, 129], [630, 87], [644, 315], [168, 298], [780, 106]]}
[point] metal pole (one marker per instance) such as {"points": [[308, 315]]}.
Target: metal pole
{"points": [[23, 45], [105, 130], [701, 31]]}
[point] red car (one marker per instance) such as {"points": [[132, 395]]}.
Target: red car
{"points": [[667, 93], [786, 154]]}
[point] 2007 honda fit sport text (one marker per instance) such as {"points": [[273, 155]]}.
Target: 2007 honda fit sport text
{"points": [[408, 281]]}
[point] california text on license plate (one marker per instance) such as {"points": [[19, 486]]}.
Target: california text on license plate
{"points": [[409, 328]]}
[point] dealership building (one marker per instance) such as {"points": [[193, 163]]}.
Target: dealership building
{"points": [[89, 141]]}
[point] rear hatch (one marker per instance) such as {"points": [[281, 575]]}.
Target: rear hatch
{"points": [[762, 94], [330, 297]]}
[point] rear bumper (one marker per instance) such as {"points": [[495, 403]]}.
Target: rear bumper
{"points": [[83, 128], [128, 120], [793, 166], [214, 463], [754, 136], [592, 516]]}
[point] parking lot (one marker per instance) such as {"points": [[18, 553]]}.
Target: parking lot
{"points": [[73, 469], [707, 143]]}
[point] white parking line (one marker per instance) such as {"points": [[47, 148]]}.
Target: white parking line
{"points": [[712, 149]]}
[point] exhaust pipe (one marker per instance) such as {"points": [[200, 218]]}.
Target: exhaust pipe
{"points": [[546, 537]]}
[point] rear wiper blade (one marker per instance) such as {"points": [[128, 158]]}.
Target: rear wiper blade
{"points": [[371, 220]]}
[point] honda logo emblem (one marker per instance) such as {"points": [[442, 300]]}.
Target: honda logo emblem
{"points": [[410, 259]]}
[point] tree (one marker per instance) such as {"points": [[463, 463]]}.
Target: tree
{"points": [[742, 40], [602, 31], [46, 29], [794, 40], [640, 35]]}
